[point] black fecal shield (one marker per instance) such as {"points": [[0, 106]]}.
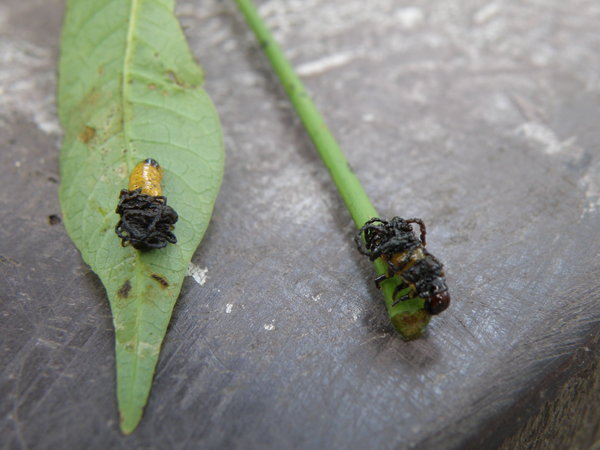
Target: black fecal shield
{"points": [[146, 221]]}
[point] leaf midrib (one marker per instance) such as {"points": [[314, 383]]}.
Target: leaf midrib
{"points": [[127, 117], [127, 62]]}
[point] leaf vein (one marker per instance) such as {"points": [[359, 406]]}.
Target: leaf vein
{"points": [[167, 109], [97, 12]]}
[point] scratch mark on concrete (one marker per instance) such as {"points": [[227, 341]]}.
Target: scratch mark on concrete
{"points": [[368, 117], [544, 137], [486, 13], [410, 17], [321, 65], [592, 192]]}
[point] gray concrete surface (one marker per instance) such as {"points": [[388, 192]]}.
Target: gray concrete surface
{"points": [[481, 117]]}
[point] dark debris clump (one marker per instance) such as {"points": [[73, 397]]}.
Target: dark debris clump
{"points": [[54, 219], [146, 221]]}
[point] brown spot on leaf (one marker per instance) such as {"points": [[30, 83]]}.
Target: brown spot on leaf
{"points": [[151, 86], [160, 279], [91, 98], [123, 292], [87, 134]]}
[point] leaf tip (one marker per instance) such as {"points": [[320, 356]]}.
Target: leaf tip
{"points": [[129, 421]]}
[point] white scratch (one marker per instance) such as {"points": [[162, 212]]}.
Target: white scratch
{"points": [[368, 117], [410, 17], [486, 13], [415, 429], [543, 56], [228, 308], [47, 343], [541, 135], [316, 298], [269, 326], [355, 312], [197, 273], [592, 192], [324, 64]]}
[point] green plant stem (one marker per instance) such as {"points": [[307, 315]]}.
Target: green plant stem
{"points": [[407, 316]]}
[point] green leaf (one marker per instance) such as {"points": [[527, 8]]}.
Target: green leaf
{"points": [[129, 89]]}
